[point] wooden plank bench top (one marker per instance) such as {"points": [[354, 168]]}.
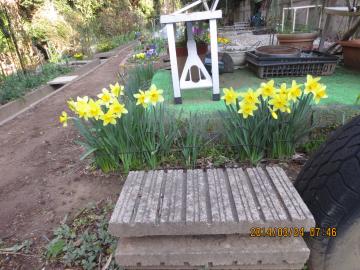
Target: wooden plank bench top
{"points": [[214, 201]]}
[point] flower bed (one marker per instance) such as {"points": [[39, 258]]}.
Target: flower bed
{"points": [[123, 129]]}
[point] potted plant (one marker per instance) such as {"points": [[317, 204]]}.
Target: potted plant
{"points": [[202, 41], [351, 52], [302, 38]]}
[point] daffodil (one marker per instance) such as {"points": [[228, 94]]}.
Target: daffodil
{"points": [[320, 93], [283, 91], [294, 91], [105, 97], [267, 89], [63, 119], [108, 118], [230, 96], [72, 105], [250, 96], [118, 109], [280, 102], [82, 107], [312, 84], [142, 98], [247, 109], [117, 90], [155, 95], [273, 113], [95, 110]]}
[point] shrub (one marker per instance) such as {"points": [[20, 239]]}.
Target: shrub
{"points": [[18, 84], [270, 121]]}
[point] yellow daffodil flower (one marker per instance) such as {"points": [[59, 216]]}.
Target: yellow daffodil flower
{"points": [[108, 118], [95, 110], [63, 119], [267, 89], [230, 96], [273, 113], [117, 90], [154, 95], [294, 91], [250, 96], [279, 102], [320, 93], [71, 105], [283, 91], [105, 97], [82, 107], [118, 109], [247, 109], [142, 98], [312, 84]]}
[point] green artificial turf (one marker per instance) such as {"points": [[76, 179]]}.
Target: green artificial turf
{"points": [[343, 87]]}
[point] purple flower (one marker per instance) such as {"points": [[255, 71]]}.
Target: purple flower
{"points": [[197, 31]]}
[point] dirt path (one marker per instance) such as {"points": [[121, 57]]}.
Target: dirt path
{"points": [[41, 177]]}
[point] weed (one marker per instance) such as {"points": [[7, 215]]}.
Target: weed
{"points": [[85, 241], [18, 84]]}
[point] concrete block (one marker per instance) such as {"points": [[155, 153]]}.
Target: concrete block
{"points": [[212, 252], [62, 80], [215, 201]]}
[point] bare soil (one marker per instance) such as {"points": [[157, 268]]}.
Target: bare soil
{"points": [[41, 176]]}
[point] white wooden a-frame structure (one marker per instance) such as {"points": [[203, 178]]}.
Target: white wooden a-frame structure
{"points": [[205, 80]]}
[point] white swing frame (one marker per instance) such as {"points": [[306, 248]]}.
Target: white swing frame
{"points": [[185, 80]]}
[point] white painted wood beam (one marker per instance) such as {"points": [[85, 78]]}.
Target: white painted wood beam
{"points": [[190, 6], [214, 60], [195, 16], [173, 61]]}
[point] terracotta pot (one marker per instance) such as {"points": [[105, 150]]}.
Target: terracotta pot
{"points": [[351, 52], [182, 54], [303, 41]]}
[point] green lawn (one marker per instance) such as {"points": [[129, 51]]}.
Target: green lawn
{"points": [[343, 88]]}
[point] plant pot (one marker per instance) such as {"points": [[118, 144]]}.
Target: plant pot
{"points": [[182, 54], [303, 41], [351, 52], [238, 57]]}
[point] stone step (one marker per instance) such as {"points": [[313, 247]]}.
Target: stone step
{"points": [[215, 201], [212, 252], [62, 80]]}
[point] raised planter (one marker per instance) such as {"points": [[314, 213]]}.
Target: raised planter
{"points": [[351, 51], [182, 54], [303, 41]]}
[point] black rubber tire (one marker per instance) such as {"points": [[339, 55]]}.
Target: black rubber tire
{"points": [[329, 184]]}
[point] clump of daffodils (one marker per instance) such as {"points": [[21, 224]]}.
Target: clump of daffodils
{"points": [[277, 99], [107, 107], [223, 40], [149, 97]]}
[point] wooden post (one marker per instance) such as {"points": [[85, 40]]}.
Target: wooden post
{"points": [[214, 60], [173, 61], [294, 20]]}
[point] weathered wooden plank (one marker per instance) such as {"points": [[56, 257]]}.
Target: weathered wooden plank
{"points": [[214, 201]]}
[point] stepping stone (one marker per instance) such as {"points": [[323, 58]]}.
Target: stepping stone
{"points": [[215, 201], [212, 252], [105, 55], [60, 81]]}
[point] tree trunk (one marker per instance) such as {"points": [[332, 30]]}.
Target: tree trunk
{"points": [[14, 40]]}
